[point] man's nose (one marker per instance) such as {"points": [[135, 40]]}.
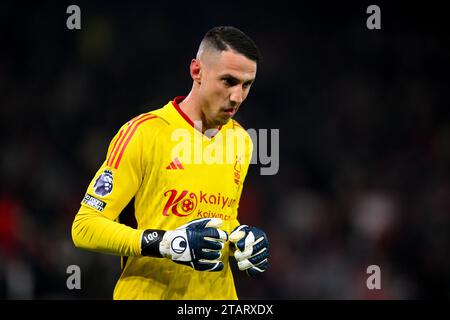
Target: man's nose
{"points": [[237, 96]]}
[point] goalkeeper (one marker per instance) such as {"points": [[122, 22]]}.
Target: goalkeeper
{"points": [[183, 226]]}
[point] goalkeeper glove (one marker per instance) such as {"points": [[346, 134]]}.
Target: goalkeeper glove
{"points": [[252, 249], [197, 244]]}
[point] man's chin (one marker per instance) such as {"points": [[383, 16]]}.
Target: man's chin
{"points": [[219, 121], [223, 121]]}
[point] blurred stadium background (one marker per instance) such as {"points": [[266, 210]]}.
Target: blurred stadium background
{"points": [[364, 138]]}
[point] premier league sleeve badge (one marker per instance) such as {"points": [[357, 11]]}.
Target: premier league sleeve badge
{"points": [[104, 184]]}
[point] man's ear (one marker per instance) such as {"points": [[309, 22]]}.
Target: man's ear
{"points": [[196, 70]]}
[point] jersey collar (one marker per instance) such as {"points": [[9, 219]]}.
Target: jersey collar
{"points": [[175, 103]]}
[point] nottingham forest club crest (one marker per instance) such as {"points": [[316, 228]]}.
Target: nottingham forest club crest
{"points": [[104, 184]]}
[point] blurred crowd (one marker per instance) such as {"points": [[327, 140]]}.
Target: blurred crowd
{"points": [[364, 141]]}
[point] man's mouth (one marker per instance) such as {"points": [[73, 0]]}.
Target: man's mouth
{"points": [[230, 111]]}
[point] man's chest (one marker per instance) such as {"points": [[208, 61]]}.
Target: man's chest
{"points": [[203, 189], [176, 186]]}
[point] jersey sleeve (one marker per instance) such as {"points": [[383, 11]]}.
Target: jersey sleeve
{"points": [[109, 192], [119, 177], [95, 232]]}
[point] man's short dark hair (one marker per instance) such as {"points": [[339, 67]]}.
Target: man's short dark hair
{"points": [[224, 38]]}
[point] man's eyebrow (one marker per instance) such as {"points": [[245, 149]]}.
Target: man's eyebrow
{"points": [[229, 76]]}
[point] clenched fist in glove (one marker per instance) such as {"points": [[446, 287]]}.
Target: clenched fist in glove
{"points": [[252, 249], [197, 244]]}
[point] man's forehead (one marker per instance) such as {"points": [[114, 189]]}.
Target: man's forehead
{"points": [[233, 63]]}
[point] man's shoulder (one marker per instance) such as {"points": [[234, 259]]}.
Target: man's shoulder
{"points": [[236, 125], [164, 115], [153, 120], [235, 130], [145, 121], [238, 128]]}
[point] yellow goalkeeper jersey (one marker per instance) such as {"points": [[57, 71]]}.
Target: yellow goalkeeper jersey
{"points": [[171, 173]]}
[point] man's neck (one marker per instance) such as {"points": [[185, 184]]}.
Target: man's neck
{"points": [[192, 108]]}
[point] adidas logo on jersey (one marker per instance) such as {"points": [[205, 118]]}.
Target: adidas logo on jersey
{"points": [[174, 165]]}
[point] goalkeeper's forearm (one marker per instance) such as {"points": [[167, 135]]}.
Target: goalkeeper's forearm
{"points": [[92, 231], [198, 243]]}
